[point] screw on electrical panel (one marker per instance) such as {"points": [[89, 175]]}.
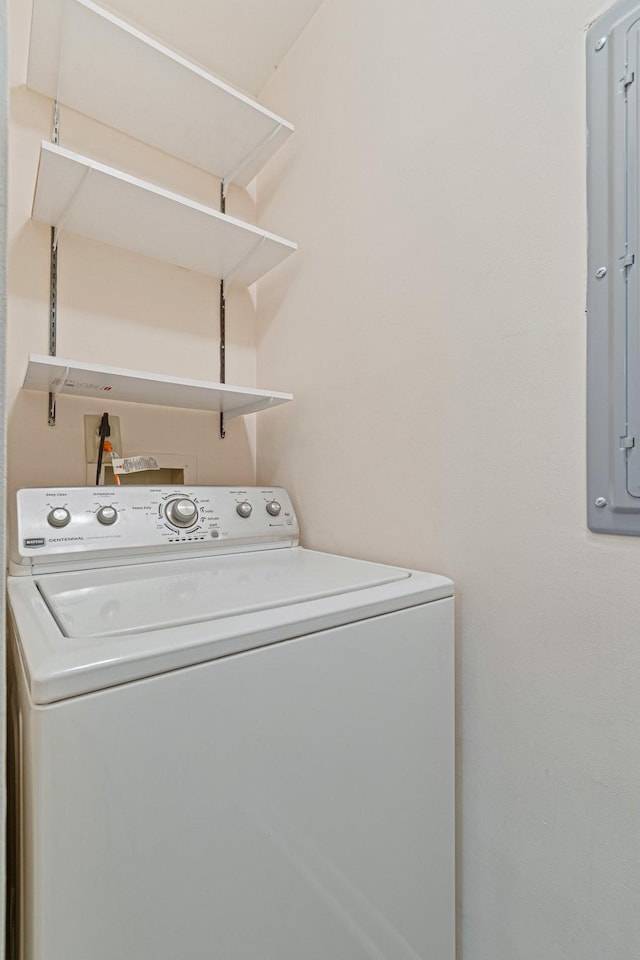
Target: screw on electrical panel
{"points": [[601, 43], [600, 501], [601, 272]]}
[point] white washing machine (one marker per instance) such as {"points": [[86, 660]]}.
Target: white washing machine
{"points": [[224, 746]]}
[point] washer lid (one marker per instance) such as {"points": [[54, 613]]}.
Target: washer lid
{"points": [[88, 630], [126, 600]]}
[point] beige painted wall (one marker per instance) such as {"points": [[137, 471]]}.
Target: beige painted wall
{"points": [[432, 327], [114, 307]]}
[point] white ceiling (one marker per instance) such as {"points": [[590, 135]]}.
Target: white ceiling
{"points": [[241, 41]]}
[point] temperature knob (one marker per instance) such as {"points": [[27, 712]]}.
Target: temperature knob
{"points": [[244, 509], [59, 517], [107, 515], [273, 508], [183, 513]]}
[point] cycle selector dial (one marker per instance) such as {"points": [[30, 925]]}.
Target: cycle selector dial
{"points": [[107, 515], [244, 509], [59, 517], [182, 513], [273, 508]]}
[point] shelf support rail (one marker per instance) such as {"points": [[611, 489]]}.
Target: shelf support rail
{"points": [[53, 283], [223, 372], [230, 177], [223, 320], [223, 284]]}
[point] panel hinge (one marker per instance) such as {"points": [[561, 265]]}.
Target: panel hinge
{"points": [[628, 79], [628, 260], [626, 443]]}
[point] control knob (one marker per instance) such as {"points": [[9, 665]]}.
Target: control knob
{"points": [[107, 515], [244, 509], [273, 508], [183, 512], [59, 517]]}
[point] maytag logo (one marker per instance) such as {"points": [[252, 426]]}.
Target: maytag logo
{"points": [[33, 542]]}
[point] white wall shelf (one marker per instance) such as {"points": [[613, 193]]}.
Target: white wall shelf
{"points": [[88, 59], [83, 56], [80, 195], [75, 378]]}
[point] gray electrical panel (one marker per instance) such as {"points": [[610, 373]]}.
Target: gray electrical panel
{"points": [[613, 290]]}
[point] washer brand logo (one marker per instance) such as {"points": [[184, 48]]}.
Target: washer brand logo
{"points": [[80, 384], [64, 539], [34, 542]]}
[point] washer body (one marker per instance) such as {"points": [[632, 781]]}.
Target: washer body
{"points": [[238, 754]]}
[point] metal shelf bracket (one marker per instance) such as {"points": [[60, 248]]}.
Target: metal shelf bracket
{"points": [[228, 180]]}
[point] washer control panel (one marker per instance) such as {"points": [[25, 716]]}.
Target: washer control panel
{"points": [[58, 523]]}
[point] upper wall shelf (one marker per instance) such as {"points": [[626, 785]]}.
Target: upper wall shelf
{"points": [[77, 194], [95, 63], [75, 378]]}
